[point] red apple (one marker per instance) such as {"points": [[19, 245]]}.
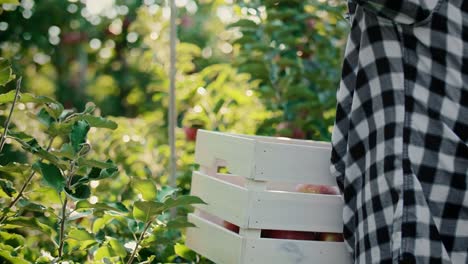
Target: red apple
{"points": [[321, 189], [230, 226], [285, 234], [288, 129], [331, 237], [190, 133]]}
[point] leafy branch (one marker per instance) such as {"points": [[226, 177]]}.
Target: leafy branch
{"points": [[7, 121]]}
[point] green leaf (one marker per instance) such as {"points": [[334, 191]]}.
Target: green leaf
{"points": [[11, 239], [117, 247], [80, 192], [60, 129], [96, 163], [146, 188], [66, 151], [179, 222], [31, 98], [19, 135], [51, 174], [185, 252], [7, 97], [81, 214], [15, 222], [44, 117], [108, 173], [244, 23], [12, 2], [80, 235], [165, 192], [78, 134], [103, 252], [30, 206], [97, 121], [15, 167], [84, 204], [218, 106], [6, 73], [146, 210], [7, 187], [54, 109], [6, 254], [182, 201]]}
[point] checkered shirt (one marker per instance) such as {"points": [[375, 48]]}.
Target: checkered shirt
{"points": [[400, 141]]}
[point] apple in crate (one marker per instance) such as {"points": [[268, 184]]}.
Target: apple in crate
{"points": [[331, 237], [285, 234], [190, 133], [319, 189], [230, 226]]}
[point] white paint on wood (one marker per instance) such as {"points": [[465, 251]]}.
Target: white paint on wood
{"points": [[298, 164], [283, 251], [283, 140], [235, 152], [214, 242], [296, 211], [225, 200]]}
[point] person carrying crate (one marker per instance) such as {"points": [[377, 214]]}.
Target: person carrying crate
{"points": [[400, 140]]}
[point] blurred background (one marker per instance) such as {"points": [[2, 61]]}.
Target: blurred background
{"points": [[267, 67]]}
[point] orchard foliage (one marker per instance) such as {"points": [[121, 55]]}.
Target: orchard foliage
{"points": [[87, 182]]}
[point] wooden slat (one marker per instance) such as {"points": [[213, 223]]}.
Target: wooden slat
{"points": [[291, 163], [283, 140], [296, 211], [213, 242], [225, 200], [280, 251], [236, 152]]}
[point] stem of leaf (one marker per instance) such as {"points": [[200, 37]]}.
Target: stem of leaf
{"points": [[23, 188], [142, 235], [62, 227], [7, 121]]}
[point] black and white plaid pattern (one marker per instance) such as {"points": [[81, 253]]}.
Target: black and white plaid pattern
{"points": [[400, 142]]}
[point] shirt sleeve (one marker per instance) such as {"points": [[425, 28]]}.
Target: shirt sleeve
{"points": [[401, 11]]}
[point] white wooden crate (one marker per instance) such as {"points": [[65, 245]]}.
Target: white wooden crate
{"points": [[258, 193]]}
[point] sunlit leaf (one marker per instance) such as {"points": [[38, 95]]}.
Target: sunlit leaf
{"points": [[80, 235], [6, 254], [117, 247], [6, 73], [11, 239], [7, 187], [84, 204], [179, 222], [54, 109], [146, 188], [165, 192], [96, 163], [103, 252], [38, 99], [12, 2], [97, 121], [27, 222], [66, 151], [7, 97], [51, 175], [79, 214], [15, 167], [145, 210], [182, 201], [185, 252]]}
